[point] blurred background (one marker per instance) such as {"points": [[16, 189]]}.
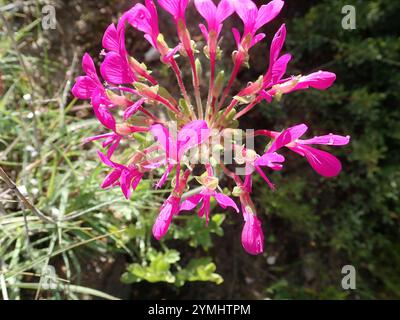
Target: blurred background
{"points": [[103, 247]]}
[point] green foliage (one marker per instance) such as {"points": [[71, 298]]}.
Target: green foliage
{"points": [[158, 269], [353, 219], [198, 232], [41, 149]]}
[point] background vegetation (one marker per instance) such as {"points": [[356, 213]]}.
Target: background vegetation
{"points": [[102, 246]]}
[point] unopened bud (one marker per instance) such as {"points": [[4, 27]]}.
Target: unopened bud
{"points": [[117, 99], [199, 68], [230, 115], [184, 107], [219, 83], [206, 52], [145, 90], [237, 191], [123, 129], [162, 46]]}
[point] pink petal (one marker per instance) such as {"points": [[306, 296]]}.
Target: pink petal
{"points": [[111, 178], [275, 50], [88, 66], [102, 113], [175, 7], [139, 18], [329, 139], [266, 95], [288, 136], [236, 35], [151, 40], [153, 16], [170, 55], [114, 69], [164, 177], [191, 202], [136, 180], [125, 182], [163, 221], [207, 10], [154, 165], [110, 38], [259, 37], [268, 159], [279, 68], [204, 31], [262, 174], [164, 138], [84, 87], [224, 201], [247, 11], [277, 43], [107, 161], [224, 10], [98, 137], [115, 143], [191, 135], [268, 12], [322, 162], [320, 80]]}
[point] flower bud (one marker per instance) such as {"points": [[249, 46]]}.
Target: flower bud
{"points": [[145, 90], [252, 234], [219, 83], [117, 99], [199, 68], [123, 129]]}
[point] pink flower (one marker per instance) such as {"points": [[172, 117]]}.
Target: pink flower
{"points": [[252, 234], [214, 15], [101, 106], [127, 178], [190, 136], [111, 140], [322, 162], [85, 86], [254, 162], [89, 86], [204, 197], [118, 104], [253, 19], [115, 67]]}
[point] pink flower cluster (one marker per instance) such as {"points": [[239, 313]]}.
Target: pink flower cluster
{"points": [[132, 105]]}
